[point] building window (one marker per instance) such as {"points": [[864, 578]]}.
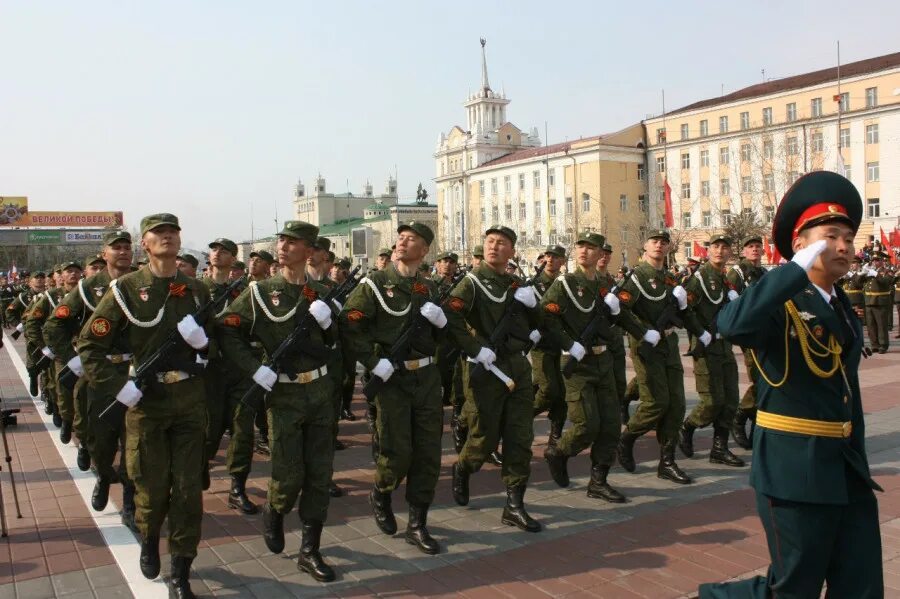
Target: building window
{"points": [[769, 182], [661, 135], [585, 202], [873, 208], [872, 172], [685, 190], [704, 157], [551, 178], [848, 172], [494, 187], [623, 202], [747, 212], [745, 120], [723, 124], [537, 209], [686, 220], [624, 236], [871, 97], [481, 188], [704, 189], [685, 161], [724, 187], [791, 145], [661, 164], [471, 161], [726, 217], [707, 219], [507, 184], [568, 206], [495, 215], [843, 101], [767, 116], [688, 246], [483, 215], [537, 237], [642, 203], [768, 149], [815, 107], [745, 152], [537, 179], [746, 185], [684, 131], [704, 128], [723, 155], [521, 181], [817, 141], [552, 240], [640, 172], [770, 213], [552, 207], [845, 137], [791, 112], [872, 134], [507, 212], [521, 210]]}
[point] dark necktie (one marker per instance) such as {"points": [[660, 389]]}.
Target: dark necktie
{"points": [[847, 331]]}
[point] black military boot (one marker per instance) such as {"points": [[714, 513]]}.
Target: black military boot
{"points": [[739, 430], [384, 514], [460, 485], [686, 439], [598, 488], [128, 507], [720, 454], [150, 557], [204, 479], [346, 414], [100, 495], [625, 450], [460, 432], [65, 432], [334, 490], [310, 560], [273, 529], [84, 459], [57, 419], [495, 458], [556, 430], [514, 513], [179, 583], [416, 532], [668, 469], [557, 462], [237, 498]]}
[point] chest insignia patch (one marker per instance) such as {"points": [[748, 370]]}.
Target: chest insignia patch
{"points": [[100, 327], [389, 292], [806, 316], [98, 291], [653, 283], [275, 297], [712, 285], [818, 331], [580, 292], [63, 312], [144, 293]]}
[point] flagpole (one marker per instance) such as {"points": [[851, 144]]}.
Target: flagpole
{"points": [[840, 104]]}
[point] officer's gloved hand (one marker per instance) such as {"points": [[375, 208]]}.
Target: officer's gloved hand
{"points": [[652, 337], [321, 312], [871, 273], [433, 313], [265, 377], [681, 295], [732, 295], [383, 370], [535, 336], [612, 301], [486, 357], [75, 366], [806, 257], [577, 351], [48, 352], [129, 395], [526, 296], [192, 332], [705, 338]]}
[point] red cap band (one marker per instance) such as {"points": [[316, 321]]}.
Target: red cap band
{"points": [[817, 211]]}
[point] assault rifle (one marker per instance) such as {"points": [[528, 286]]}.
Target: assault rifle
{"points": [[112, 414], [417, 327], [294, 341]]}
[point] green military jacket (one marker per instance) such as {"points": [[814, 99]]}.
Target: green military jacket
{"points": [[646, 294], [897, 289], [266, 312], [477, 305], [852, 284], [63, 325], [744, 274], [139, 312], [378, 311], [707, 295], [16, 309], [543, 283], [42, 307], [878, 290]]}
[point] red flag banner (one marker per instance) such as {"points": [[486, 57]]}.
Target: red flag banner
{"points": [[670, 219], [885, 242], [895, 237], [698, 251]]}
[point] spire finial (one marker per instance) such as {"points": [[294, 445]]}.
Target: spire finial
{"points": [[485, 86]]}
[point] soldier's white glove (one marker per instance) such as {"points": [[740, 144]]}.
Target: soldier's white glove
{"points": [[705, 338], [806, 257], [75, 366], [129, 395], [652, 337], [433, 313], [20, 327], [871, 273], [321, 312], [681, 295], [383, 370], [577, 351], [48, 352], [526, 296], [265, 377], [486, 357], [192, 332], [535, 336], [337, 305], [732, 295], [612, 301]]}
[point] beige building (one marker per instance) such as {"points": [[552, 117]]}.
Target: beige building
{"points": [[739, 153], [492, 172], [321, 207]]}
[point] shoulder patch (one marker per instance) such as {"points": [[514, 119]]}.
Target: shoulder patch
{"points": [[420, 288], [355, 315], [100, 327], [62, 312], [457, 304], [232, 320], [551, 307], [309, 293], [624, 296], [603, 291]]}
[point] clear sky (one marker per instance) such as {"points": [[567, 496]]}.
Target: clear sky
{"points": [[213, 110]]}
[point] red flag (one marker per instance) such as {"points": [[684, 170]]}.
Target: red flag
{"points": [[885, 243], [895, 237], [767, 249], [670, 219], [698, 251], [776, 255]]}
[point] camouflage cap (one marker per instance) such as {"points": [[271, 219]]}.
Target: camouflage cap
{"points": [[263, 255], [299, 229], [70, 264], [238, 265], [323, 243], [57, 268], [478, 251], [555, 250], [148, 223], [344, 263], [113, 236], [658, 234], [752, 239], [720, 238], [419, 228], [224, 243], [385, 252], [502, 230], [452, 256], [607, 248], [38, 274], [95, 259], [594, 239], [190, 260]]}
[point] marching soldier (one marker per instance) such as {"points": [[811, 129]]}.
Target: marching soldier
{"points": [[16, 309], [650, 294], [743, 275], [93, 265], [477, 257], [550, 392], [410, 415], [715, 369], [446, 265], [187, 264], [259, 265], [501, 403], [300, 399], [383, 258], [814, 490], [878, 289], [7, 295], [617, 346], [166, 421]]}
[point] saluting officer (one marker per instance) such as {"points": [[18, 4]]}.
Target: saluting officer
{"points": [[550, 392], [410, 414], [300, 400], [814, 491], [166, 421]]}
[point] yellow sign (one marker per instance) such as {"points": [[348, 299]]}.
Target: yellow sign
{"points": [[72, 219], [12, 209]]}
